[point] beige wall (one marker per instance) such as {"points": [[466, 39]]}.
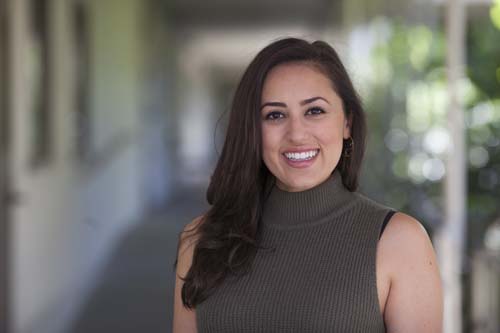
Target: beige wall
{"points": [[70, 214]]}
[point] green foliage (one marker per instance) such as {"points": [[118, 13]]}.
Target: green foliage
{"points": [[483, 53], [495, 13], [411, 97]]}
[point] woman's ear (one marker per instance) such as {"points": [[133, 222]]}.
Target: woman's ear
{"points": [[347, 126]]}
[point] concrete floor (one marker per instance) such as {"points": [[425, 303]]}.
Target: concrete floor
{"points": [[136, 290]]}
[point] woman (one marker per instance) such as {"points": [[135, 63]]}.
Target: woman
{"points": [[288, 245]]}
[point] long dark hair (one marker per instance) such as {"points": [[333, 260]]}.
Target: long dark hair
{"points": [[227, 237]]}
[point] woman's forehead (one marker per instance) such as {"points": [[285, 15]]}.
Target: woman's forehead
{"points": [[297, 81]]}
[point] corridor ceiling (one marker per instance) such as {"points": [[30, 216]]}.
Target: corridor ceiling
{"points": [[253, 13]]}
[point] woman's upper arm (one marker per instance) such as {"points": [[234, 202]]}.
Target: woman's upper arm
{"points": [[415, 301], [184, 319]]}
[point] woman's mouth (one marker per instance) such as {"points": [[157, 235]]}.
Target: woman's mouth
{"points": [[302, 156], [301, 159]]}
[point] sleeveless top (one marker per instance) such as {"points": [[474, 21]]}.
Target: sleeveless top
{"points": [[317, 272]]}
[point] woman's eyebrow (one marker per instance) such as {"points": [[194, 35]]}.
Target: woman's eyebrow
{"points": [[304, 102]]}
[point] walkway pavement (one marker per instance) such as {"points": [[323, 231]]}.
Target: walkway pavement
{"points": [[136, 290]]}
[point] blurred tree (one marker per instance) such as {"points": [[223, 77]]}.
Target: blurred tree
{"points": [[403, 105], [483, 114], [406, 107], [495, 13]]}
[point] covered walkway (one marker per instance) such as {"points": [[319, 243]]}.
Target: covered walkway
{"points": [[136, 289]]}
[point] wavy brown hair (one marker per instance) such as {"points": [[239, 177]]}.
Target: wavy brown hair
{"points": [[228, 237]]}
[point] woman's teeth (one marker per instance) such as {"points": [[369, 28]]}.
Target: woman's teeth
{"points": [[303, 156]]}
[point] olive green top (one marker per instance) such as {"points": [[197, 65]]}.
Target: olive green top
{"points": [[318, 276]]}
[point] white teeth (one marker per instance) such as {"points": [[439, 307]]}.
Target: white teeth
{"points": [[302, 156]]}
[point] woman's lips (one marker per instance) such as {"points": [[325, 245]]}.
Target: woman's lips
{"points": [[300, 164]]}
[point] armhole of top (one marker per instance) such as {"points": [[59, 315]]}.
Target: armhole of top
{"points": [[386, 220]]}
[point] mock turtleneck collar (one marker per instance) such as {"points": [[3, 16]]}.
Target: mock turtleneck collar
{"points": [[284, 208]]}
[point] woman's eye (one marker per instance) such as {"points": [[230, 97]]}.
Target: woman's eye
{"points": [[274, 115], [315, 111]]}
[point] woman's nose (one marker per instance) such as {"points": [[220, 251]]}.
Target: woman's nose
{"points": [[297, 131]]}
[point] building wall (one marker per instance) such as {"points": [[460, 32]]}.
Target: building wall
{"points": [[71, 211]]}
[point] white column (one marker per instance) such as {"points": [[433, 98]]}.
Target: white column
{"points": [[450, 238]]}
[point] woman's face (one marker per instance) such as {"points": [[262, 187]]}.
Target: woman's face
{"points": [[303, 126]]}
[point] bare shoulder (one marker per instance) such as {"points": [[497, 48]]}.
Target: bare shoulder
{"points": [[186, 237], [186, 242], [185, 246], [194, 224], [415, 298], [403, 228], [405, 241], [184, 318]]}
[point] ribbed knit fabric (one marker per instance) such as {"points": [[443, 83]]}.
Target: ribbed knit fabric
{"points": [[318, 276]]}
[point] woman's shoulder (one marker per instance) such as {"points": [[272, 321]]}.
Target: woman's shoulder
{"points": [[406, 245], [194, 223], [405, 231], [188, 233], [184, 319], [405, 239], [407, 251]]}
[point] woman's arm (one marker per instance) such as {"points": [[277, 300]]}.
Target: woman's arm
{"points": [[184, 319], [415, 301]]}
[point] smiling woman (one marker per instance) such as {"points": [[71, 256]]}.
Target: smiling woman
{"points": [[289, 245], [302, 141]]}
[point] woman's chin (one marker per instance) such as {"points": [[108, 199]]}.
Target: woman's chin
{"points": [[297, 185]]}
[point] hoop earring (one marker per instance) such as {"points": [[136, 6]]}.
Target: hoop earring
{"points": [[348, 147]]}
